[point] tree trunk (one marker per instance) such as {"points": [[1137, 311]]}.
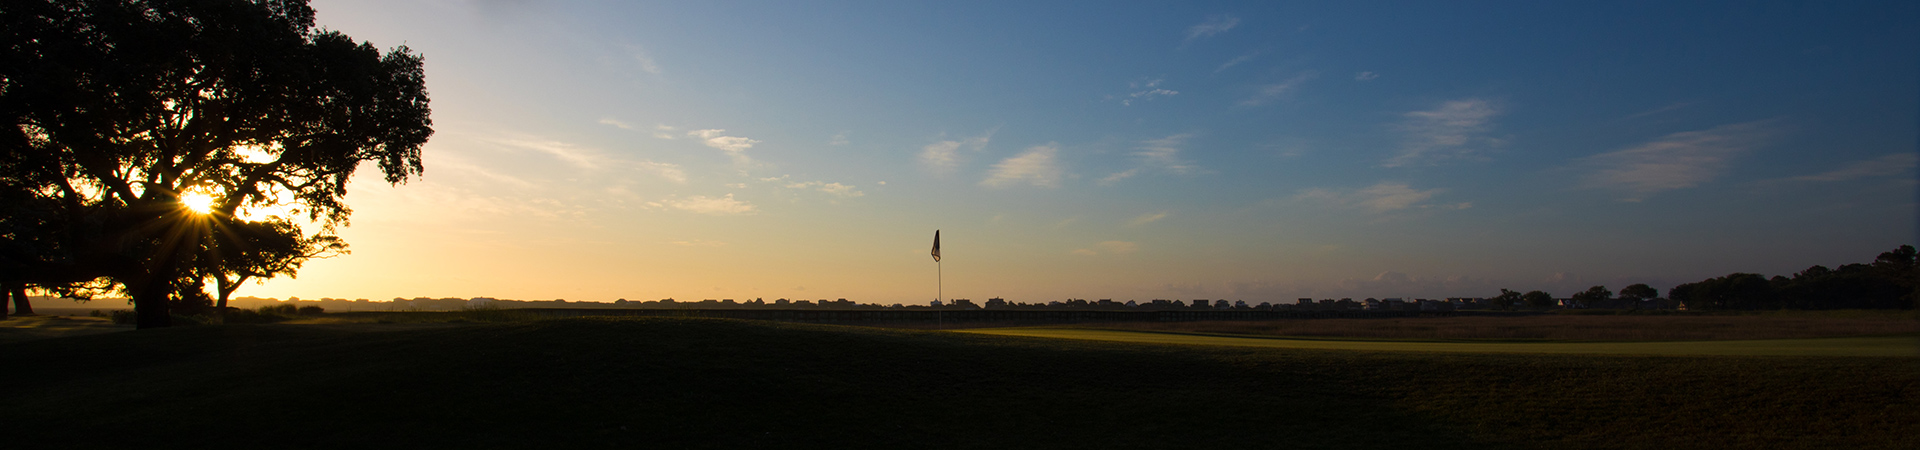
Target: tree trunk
{"points": [[226, 288], [21, 304], [150, 298]]}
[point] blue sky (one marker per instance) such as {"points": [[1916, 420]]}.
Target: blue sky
{"points": [[1259, 151]]}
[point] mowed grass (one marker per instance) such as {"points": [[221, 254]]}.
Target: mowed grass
{"points": [[709, 383], [1879, 346], [1569, 327]]}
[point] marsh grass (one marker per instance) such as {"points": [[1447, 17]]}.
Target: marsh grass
{"points": [[1557, 327]]}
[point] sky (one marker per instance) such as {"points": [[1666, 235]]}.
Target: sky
{"points": [[1259, 151]]}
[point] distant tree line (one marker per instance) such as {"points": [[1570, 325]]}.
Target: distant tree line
{"points": [[1891, 281]]}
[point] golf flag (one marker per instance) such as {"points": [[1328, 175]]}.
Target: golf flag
{"points": [[936, 245]]}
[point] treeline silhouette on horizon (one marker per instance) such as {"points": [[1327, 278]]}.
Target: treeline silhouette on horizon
{"points": [[1890, 281]]}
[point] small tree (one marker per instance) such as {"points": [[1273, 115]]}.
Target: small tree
{"points": [[1592, 296], [1506, 300], [1637, 293], [1537, 299]]}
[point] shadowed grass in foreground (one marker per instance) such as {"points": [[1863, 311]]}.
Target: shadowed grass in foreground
{"points": [[1569, 327], [1878, 346], [694, 383]]}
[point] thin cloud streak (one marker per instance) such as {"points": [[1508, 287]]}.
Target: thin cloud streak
{"points": [[1267, 93], [1162, 155], [1144, 219], [944, 157], [1896, 164], [1379, 198], [1148, 91], [718, 206], [734, 146], [1214, 25], [1675, 161], [1236, 61], [1037, 166], [1447, 132]]}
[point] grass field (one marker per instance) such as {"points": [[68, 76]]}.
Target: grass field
{"points": [[708, 383], [1878, 346], [1569, 327]]}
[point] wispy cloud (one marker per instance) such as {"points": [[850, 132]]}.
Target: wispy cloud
{"points": [[627, 59], [1365, 76], [1146, 91], [1036, 166], [1144, 219], [1236, 61], [670, 171], [1450, 131], [837, 189], [1393, 196], [644, 59], [719, 206], [1671, 107], [1108, 247], [1161, 155], [944, 156], [578, 156], [838, 139], [698, 243], [1214, 25], [1379, 198], [1897, 164], [1267, 93], [664, 131], [734, 146], [1675, 161], [588, 158], [460, 164], [616, 123]]}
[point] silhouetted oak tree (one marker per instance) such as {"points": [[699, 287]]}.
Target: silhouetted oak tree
{"points": [[118, 108], [262, 249], [1506, 300], [1537, 299], [1592, 296]]}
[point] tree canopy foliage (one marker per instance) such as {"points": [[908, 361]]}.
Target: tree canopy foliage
{"points": [[120, 108], [1891, 281]]}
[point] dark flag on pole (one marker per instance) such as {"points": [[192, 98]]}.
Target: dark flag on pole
{"points": [[936, 245]]}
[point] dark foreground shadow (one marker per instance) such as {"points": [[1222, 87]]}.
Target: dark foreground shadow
{"points": [[702, 383]]}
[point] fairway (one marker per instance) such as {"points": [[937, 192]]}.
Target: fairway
{"points": [[716, 383], [1880, 346]]}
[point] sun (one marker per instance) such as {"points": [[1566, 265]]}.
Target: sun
{"points": [[198, 202]]}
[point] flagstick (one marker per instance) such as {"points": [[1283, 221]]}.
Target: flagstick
{"points": [[939, 293]]}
